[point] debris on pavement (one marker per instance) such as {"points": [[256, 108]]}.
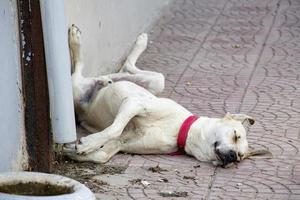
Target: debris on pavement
{"points": [[135, 181], [173, 194], [188, 83], [164, 180], [84, 171], [238, 185], [197, 166], [145, 183], [96, 185], [139, 181], [189, 177], [157, 169]]}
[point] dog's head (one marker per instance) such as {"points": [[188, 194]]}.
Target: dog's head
{"points": [[230, 143]]}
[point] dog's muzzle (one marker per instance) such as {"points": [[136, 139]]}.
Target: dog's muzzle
{"points": [[226, 158]]}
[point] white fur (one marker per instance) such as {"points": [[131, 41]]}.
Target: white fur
{"points": [[127, 116]]}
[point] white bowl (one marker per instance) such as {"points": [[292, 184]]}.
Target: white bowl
{"points": [[57, 187]]}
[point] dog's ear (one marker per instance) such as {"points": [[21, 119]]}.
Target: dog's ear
{"points": [[244, 119]]}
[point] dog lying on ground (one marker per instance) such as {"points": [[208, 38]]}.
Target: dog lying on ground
{"points": [[123, 113]]}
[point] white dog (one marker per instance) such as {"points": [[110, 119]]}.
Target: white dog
{"points": [[124, 115]]}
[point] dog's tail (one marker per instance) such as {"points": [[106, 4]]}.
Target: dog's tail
{"points": [[258, 153]]}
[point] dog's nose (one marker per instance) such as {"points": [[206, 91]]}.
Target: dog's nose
{"points": [[231, 156]]}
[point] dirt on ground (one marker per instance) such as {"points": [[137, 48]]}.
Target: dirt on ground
{"points": [[85, 171]]}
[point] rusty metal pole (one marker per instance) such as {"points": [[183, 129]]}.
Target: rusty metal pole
{"points": [[35, 88]]}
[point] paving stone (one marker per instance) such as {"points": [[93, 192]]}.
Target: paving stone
{"points": [[238, 56]]}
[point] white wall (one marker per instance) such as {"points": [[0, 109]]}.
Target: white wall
{"points": [[110, 27], [12, 145]]}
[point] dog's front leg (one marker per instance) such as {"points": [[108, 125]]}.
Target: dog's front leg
{"points": [[129, 108], [99, 156]]}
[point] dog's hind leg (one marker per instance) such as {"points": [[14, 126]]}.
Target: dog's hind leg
{"points": [[75, 47], [137, 50], [129, 108], [83, 87], [154, 82]]}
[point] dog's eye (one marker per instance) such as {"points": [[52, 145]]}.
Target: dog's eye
{"points": [[216, 144], [236, 137]]}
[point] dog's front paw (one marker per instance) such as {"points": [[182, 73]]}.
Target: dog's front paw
{"points": [[85, 146], [88, 144], [69, 148], [141, 41]]}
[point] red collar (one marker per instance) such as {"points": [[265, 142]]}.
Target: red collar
{"points": [[184, 130]]}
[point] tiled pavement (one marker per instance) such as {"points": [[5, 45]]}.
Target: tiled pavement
{"points": [[223, 56]]}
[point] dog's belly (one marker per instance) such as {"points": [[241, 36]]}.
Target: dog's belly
{"points": [[99, 117], [103, 109]]}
